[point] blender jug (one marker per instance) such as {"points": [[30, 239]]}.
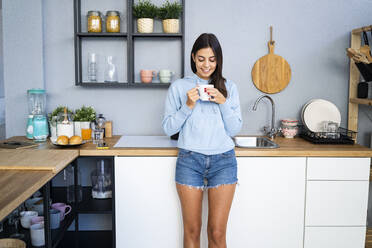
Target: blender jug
{"points": [[37, 125], [101, 181], [36, 101], [70, 183]]}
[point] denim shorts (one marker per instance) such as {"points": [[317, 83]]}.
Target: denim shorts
{"points": [[206, 171]]}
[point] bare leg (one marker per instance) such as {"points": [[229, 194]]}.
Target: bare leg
{"points": [[191, 203], [219, 204]]}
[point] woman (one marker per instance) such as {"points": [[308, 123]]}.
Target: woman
{"points": [[206, 157]]}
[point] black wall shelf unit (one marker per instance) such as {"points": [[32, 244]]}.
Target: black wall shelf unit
{"points": [[129, 37]]}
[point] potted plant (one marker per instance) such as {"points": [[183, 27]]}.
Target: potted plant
{"points": [[82, 120], [170, 14], [53, 118], [145, 12]]}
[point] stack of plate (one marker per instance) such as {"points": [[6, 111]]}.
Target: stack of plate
{"points": [[318, 111]]}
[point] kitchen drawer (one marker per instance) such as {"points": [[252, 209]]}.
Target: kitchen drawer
{"points": [[338, 168], [335, 237], [336, 203]]}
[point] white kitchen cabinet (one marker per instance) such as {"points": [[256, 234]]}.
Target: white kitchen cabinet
{"points": [[268, 208], [280, 202], [336, 203], [147, 211], [338, 237], [338, 168]]}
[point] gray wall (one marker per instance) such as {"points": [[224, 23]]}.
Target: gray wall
{"points": [[2, 100], [1, 52], [310, 35], [23, 59]]}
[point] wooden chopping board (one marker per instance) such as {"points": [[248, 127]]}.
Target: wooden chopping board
{"points": [[271, 73], [53, 160]]}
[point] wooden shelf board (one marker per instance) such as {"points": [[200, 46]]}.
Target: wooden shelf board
{"points": [[359, 30], [361, 101]]}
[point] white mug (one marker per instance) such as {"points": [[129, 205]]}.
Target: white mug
{"points": [[37, 234], [26, 217], [203, 91]]}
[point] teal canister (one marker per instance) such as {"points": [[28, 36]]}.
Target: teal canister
{"points": [[30, 127]]}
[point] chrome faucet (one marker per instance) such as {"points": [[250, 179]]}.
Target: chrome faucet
{"points": [[271, 133]]}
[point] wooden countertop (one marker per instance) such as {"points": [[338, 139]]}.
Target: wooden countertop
{"points": [[27, 159], [296, 147], [40, 164], [18, 185]]}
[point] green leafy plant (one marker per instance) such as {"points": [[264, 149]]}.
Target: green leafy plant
{"points": [[170, 10], [145, 9], [85, 114], [57, 111]]}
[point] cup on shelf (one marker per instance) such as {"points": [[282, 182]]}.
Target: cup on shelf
{"points": [[55, 218], [147, 75], [165, 76], [62, 207], [35, 204], [37, 220], [37, 234], [26, 217]]}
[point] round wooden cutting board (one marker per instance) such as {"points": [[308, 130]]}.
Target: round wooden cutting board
{"points": [[271, 73]]}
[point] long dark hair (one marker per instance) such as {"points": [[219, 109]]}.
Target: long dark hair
{"points": [[210, 40]]}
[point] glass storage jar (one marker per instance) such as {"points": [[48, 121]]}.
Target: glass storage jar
{"points": [[94, 21], [65, 125], [112, 21]]}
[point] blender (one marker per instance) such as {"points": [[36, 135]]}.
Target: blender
{"points": [[101, 180], [37, 124]]}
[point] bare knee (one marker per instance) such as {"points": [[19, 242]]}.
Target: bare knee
{"points": [[217, 236], [192, 233]]}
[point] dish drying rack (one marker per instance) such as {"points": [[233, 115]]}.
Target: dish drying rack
{"points": [[347, 137]]}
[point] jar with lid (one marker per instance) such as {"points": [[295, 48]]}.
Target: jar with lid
{"points": [[112, 21], [94, 21], [65, 125]]}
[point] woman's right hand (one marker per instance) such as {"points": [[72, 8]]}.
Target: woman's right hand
{"points": [[192, 97]]}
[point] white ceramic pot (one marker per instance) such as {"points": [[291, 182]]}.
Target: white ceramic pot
{"points": [[145, 25]]}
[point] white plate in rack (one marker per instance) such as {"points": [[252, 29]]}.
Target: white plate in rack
{"points": [[318, 111]]}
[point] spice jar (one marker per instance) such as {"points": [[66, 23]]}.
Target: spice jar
{"points": [[112, 21], [94, 21]]}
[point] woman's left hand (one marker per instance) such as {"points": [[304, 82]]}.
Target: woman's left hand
{"points": [[216, 96]]}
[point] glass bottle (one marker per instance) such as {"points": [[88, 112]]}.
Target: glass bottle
{"points": [[92, 67], [69, 179], [111, 74]]}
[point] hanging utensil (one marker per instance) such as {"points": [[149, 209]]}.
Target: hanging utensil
{"points": [[271, 73], [365, 49]]}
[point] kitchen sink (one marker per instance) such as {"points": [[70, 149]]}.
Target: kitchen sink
{"points": [[254, 142]]}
